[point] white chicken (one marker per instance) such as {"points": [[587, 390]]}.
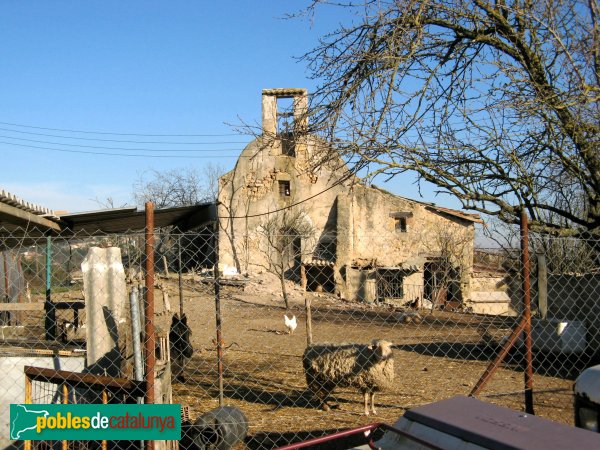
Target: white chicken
{"points": [[291, 324]]}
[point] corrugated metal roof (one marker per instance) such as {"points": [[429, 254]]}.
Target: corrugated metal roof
{"points": [[23, 223], [121, 220], [16, 213], [10, 199]]}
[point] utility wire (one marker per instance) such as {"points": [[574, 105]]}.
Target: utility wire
{"points": [[117, 140], [125, 154], [126, 148], [337, 183], [115, 134]]}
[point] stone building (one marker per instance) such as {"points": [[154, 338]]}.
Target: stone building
{"points": [[323, 227]]}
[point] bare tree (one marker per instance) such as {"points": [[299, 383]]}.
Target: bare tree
{"points": [[232, 205], [108, 203], [178, 187], [288, 236], [450, 251], [173, 188], [494, 102]]}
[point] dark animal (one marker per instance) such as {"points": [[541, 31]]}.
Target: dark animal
{"points": [[180, 346]]}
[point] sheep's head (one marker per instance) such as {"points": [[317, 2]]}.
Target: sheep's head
{"points": [[382, 348]]}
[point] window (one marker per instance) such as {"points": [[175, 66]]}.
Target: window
{"points": [[401, 219], [400, 224], [390, 284], [284, 188], [288, 146], [285, 125], [326, 250]]}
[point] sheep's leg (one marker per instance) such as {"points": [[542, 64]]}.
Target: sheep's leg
{"points": [[326, 395], [373, 403], [320, 394], [324, 405], [366, 396]]}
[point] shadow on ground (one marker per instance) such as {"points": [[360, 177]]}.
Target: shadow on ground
{"points": [[560, 365]]}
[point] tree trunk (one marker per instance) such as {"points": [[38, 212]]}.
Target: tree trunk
{"points": [[284, 291]]}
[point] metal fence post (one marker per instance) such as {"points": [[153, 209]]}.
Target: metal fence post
{"points": [[50, 310], [149, 310], [136, 329], [6, 316], [217, 288]]}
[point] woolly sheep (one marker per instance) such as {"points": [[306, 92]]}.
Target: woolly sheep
{"points": [[369, 368]]}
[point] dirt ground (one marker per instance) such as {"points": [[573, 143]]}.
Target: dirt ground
{"points": [[442, 356]]}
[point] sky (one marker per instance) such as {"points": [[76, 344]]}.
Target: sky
{"points": [[96, 94]]}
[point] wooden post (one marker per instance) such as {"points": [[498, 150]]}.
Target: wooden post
{"points": [[65, 400], [304, 282], [27, 444], [527, 313], [104, 402], [542, 286], [309, 338], [493, 366], [27, 390], [166, 264]]}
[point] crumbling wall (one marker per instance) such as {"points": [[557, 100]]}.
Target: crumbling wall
{"points": [[364, 220], [368, 235], [249, 194], [490, 293]]}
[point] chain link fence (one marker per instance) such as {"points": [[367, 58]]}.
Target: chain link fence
{"points": [[298, 345]]}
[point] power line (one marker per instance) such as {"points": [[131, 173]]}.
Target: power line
{"points": [[125, 148], [115, 134], [337, 183], [118, 140], [124, 154]]}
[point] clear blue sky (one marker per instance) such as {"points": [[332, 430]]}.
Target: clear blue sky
{"points": [[141, 67]]}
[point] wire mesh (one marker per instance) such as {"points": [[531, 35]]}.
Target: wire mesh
{"points": [[299, 342]]}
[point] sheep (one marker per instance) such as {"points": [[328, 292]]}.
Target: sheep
{"points": [[369, 368]]}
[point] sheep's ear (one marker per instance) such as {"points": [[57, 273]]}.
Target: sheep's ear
{"points": [[184, 318], [377, 348], [175, 318]]}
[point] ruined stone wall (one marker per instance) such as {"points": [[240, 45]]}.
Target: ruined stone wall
{"points": [[251, 190], [490, 293], [366, 228], [367, 234]]}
